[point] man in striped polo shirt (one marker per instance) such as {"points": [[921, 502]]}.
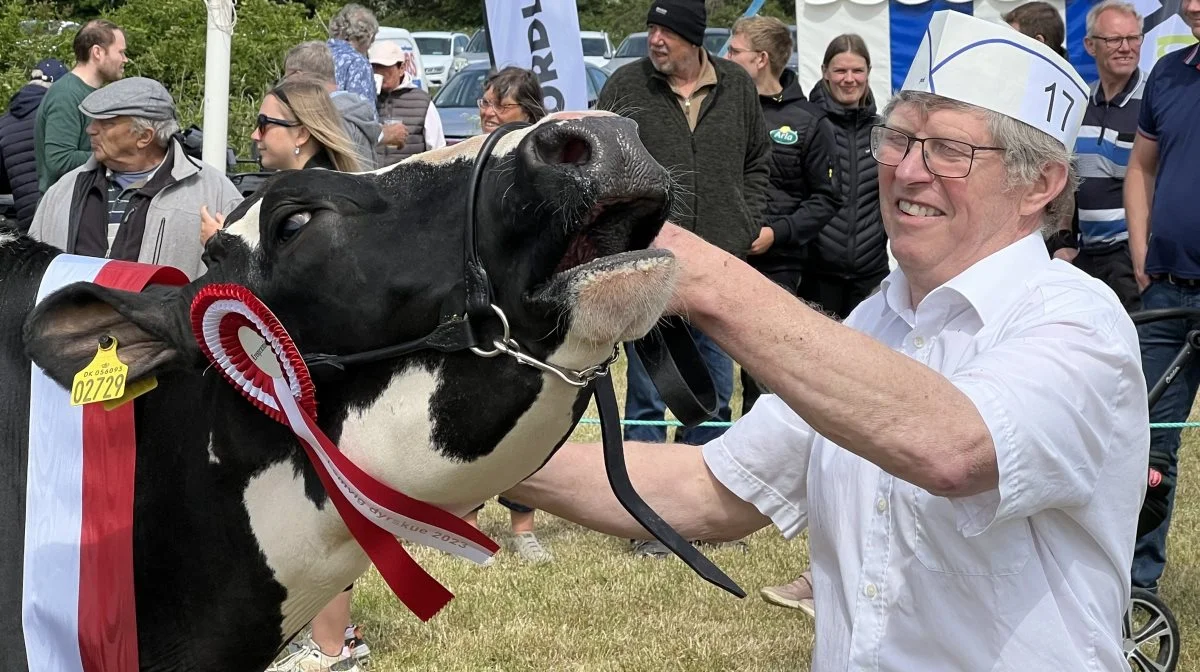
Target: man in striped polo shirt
{"points": [[1114, 39]]}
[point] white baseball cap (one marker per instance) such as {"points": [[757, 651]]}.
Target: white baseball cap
{"points": [[386, 53]]}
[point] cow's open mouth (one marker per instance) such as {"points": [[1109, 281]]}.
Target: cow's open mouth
{"points": [[613, 226]]}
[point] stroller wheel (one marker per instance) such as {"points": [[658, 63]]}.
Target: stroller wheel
{"points": [[1151, 634]]}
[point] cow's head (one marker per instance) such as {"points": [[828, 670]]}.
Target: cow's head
{"points": [[351, 263]]}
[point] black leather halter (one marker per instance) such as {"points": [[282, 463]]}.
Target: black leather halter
{"points": [[470, 321]]}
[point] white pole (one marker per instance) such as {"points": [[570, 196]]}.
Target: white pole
{"points": [[216, 82]]}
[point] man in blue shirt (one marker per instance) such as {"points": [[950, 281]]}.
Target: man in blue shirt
{"points": [[1114, 39], [1164, 241]]}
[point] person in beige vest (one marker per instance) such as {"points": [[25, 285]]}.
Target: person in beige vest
{"points": [[411, 124]]}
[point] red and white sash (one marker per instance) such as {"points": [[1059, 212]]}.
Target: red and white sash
{"points": [[78, 611]]}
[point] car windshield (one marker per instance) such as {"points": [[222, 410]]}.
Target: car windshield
{"points": [[463, 90], [593, 46], [714, 41], [479, 43], [634, 46], [433, 46]]}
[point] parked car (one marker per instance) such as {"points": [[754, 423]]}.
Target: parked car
{"points": [[438, 50], [597, 48], [635, 46], [456, 102], [415, 65]]}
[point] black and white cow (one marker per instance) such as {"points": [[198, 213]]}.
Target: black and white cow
{"points": [[236, 545]]}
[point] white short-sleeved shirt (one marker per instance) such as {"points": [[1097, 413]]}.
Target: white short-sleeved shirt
{"points": [[1031, 576]]}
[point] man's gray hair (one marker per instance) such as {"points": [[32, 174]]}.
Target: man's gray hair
{"points": [[1099, 8], [1027, 152], [312, 58], [163, 129], [355, 24]]}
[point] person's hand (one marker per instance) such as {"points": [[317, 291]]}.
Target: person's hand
{"points": [[1067, 254], [699, 267], [395, 134], [766, 238], [209, 224], [1143, 280]]}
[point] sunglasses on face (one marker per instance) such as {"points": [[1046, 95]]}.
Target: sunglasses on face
{"points": [[264, 121]]}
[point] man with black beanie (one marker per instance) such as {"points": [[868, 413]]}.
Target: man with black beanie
{"points": [[699, 116]]}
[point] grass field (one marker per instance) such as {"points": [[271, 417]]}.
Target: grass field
{"points": [[597, 608]]}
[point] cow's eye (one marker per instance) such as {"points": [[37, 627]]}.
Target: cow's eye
{"points": [[293, 224]]}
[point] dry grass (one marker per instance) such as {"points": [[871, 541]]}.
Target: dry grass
{"points": [[597, 608]]}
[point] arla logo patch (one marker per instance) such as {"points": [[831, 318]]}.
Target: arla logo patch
{"points": [[784, 135]]}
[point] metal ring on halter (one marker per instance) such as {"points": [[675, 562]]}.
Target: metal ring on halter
{"points": [[498, 345]]}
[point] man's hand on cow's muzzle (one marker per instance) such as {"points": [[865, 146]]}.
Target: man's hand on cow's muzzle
{"points": [[699, 267]]}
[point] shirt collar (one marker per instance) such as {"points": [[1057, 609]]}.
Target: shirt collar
{"points": [[1135, 80], [1193, 56], [989, 286]]}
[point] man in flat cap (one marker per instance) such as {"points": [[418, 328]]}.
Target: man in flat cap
{"points": [[969, 449], [139, 197]]}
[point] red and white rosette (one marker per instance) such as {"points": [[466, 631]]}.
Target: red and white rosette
{"points": [[250, 347]]}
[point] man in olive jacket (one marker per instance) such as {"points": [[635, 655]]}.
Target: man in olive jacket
{"points": [[700, 117]]}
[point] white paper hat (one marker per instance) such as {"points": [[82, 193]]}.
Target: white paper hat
{"points": [[993, 66]]}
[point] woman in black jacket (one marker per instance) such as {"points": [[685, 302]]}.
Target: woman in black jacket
{"points": [[801, 198], [849, 257]]}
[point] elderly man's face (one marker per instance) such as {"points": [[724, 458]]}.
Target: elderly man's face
{"points": [[115, 144], [392, 75], [938, 226], [667, 49]]}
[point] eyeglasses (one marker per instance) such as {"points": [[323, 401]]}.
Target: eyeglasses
{"points": [[735, 50], [264, 121], [485, 104], [943, 157], [1115, 42]]}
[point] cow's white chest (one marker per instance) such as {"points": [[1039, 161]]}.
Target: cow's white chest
{"points": [[393, 441], [309, 550]]}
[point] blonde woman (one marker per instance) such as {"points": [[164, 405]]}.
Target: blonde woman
{"points": [[297, 127]]}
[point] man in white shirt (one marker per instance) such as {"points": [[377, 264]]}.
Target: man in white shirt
{"points": [[969, 449]]}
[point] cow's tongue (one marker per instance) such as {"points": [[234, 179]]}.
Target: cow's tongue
{"points": [[580, 251]]}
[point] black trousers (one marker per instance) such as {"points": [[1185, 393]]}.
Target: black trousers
{"points": [[1114, 267], [831, 294]]}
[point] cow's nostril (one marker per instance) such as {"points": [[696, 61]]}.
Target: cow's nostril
{"points": [[565, 149], [575, 151]]}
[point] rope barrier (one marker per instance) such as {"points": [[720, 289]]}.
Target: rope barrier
{"points": [[676, 423]]}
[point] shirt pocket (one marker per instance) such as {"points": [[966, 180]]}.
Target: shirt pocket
{"points": [[1002, 550]]}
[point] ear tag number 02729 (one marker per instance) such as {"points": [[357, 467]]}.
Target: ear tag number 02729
{"points": [[101, 380]]}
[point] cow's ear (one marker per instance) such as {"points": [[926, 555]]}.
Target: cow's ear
{"points": [[152, 330]]}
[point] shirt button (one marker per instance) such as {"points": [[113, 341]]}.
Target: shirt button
{"points": [[881, 505], [919, 341], [870, 591]]}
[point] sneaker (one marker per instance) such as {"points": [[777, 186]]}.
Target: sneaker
{"points": [[355, 646], [306, 656], [795, 595], [652, 548], [527, 546]]}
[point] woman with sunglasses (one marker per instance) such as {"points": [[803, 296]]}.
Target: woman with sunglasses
{"points": [[297, 127], [512, 94]]}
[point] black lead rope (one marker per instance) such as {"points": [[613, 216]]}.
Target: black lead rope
{"points": [[618, 480]]}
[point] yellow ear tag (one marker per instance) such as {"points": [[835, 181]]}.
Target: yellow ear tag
{"points": [[101, 380], [132, 391]]}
